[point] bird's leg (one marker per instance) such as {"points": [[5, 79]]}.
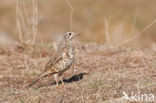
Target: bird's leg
{"points": [[73, 64], [61, 80], [55, 75]]}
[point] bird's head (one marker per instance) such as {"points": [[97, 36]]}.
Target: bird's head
{"points": [[70, 35]]}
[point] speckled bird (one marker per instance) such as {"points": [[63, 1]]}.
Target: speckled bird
{"points": [[62, 61]]}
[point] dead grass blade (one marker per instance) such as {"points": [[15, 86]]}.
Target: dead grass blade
{"points": [[148, 26], [71, 14], [35, 20], [108, 40]]}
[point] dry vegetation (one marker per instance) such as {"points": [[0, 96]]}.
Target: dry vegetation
{"points": [[99, 75], [126, 18]]}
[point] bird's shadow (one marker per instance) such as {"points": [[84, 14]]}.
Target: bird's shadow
{"points": [[74, 78]]}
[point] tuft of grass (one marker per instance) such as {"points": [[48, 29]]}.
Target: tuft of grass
{"points": [[27, 25]]}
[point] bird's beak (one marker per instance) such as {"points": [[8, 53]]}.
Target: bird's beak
{"points": [[78, 34]]}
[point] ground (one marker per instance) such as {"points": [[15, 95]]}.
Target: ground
{"points": [[100, 74]]}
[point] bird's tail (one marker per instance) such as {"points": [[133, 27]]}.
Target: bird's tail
{"points": [[38, 78]]}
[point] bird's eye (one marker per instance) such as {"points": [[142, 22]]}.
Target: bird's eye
{"points": [[69, 33]]}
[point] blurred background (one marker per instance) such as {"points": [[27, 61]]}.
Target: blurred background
{"points": [[121, 19]]}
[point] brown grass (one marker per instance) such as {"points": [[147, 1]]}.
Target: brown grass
{"points": [[100, 72], [109, 72]]}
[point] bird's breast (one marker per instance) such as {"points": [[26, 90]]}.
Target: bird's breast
{"points": [[68, 53], [71, 54]]}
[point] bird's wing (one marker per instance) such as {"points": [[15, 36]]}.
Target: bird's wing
{"points": [[57, 57]]}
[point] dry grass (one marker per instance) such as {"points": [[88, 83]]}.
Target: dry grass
{"points": [[126, 18], [27, 25], [109, 72], [100, 72]]}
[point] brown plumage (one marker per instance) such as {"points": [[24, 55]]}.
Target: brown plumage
{"points": [[62, 60]]}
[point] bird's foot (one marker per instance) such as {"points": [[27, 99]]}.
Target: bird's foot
{"points": [[62, 85]]}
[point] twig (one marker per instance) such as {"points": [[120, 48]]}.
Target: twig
{"points": [[24, 27], [71, 14], [133, 23], [25, 13], [35, 20], [18, 22], [107, 31], [23, 23], [148, 26]]}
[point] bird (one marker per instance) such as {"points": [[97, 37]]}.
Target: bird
{"points": [[62, 61]]}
